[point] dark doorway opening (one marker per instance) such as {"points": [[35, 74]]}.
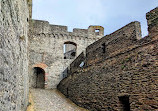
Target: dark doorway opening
{"points": [[40, 77], [125, 103]]}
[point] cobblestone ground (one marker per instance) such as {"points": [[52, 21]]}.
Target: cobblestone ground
{"points": [[52, 100]]}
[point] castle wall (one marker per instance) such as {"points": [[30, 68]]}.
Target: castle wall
{"points": [[14, 18], [120, 41], [46, 45], [77, 64], [152, 22], [127, 68]]}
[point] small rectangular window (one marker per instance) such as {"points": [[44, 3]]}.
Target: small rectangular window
{"points": [[97, 31]]}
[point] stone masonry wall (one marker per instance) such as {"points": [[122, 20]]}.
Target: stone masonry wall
{"points": [[119, 41], [129, 70], [46, 46], [152, 22], [78, 63], [14, 18]]}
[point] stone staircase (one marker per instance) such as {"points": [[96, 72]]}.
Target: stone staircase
{"points": [[52, 100]]}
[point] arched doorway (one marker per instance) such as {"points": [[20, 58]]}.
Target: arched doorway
{"points": [[40, 77]]}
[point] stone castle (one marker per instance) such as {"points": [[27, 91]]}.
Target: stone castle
{"points": [[52, 48], [116, 72]]}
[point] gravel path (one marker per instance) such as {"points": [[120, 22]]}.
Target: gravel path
{"points": [[52, 100]]}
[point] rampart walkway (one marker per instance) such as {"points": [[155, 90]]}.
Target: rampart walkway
{"points": [[52, 100]]}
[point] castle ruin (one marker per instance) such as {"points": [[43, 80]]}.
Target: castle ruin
{"points": [[117, 72], [52, 48]]}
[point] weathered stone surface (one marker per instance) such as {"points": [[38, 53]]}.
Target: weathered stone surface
{"points": [[119, 68], [152, 18], [120, 65], [46, 45], [13, 55], [52, 100]]}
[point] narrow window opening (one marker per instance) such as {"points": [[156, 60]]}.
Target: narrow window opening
{"points": [[124, 100], [103, 48], [67, 93]]}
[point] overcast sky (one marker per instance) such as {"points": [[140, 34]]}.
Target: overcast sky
{"points": [[111, 14]]}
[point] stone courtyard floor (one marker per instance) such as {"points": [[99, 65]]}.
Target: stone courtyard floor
{"points": [[52, 100]]}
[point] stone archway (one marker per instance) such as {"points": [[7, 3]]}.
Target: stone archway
{"points": [[39, 77], [39, 73], [70, 49]]}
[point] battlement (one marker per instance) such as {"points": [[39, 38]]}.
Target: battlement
{"points": [[120, 66], [80, 31], [58, 28], [152, 19], [117, 72], [55, 46], [152, 15], [120, 39], [96, 31], [39, 26]]}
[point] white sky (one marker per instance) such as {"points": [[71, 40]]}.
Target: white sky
{"points": [[111, 14]]}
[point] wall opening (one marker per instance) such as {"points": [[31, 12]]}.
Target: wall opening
{"points": [[70, 50], [103, 48], [125, 105], [82, 64], [40, 77], [65, 72], [97, 31]]}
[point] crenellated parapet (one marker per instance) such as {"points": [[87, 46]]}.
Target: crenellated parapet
{"points": [[152, 18], [95, 31], [117, 72], [56, 47], [65, 36], [39, 26]]}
